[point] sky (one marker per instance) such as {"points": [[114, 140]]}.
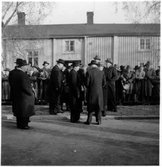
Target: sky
{"points": [[76, 13]]}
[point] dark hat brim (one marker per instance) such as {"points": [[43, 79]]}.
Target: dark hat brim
{"points": [[60, 62], [107, 61]]}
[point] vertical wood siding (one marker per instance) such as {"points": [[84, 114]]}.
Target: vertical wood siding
{"points": [[129, 53], [60, 47], [18, 49], [101, 46]]}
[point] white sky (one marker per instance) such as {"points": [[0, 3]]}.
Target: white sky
{"points": [[76, 12]]}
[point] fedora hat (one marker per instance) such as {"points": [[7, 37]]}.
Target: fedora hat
{"points": [[93, 62], [97, 57], [61, 61], [76, 64], [18, 61], [45, 62], [109, 60], [22, 63]]}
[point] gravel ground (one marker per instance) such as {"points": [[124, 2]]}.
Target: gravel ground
{"points": [[144, 110]]}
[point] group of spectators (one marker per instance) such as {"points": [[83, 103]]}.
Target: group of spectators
{"points": [[140, 85]]}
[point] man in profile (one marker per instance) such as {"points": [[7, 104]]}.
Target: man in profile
{"points": [[23, 95], [55, 87]]}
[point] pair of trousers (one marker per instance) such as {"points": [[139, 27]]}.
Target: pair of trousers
{"points": [[97, 115], [22, 122], [54, 107]]}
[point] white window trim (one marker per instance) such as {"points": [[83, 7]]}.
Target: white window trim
{"points": [[139, 44], [64, 41], [32, 50]]}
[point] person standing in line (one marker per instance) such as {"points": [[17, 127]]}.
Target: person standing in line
{"points": [[95, 82], [111, 77], [45, 79], [5, 85], [150, 75], [10, 79], [101, 68], [74, 93], [97, 59], [55, 88], [139, 84], [23, 96]]}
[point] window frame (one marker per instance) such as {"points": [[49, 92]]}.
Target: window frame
{"points": [[143, 45], [33, 57], [69, 46]]}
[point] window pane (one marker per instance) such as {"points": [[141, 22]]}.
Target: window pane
{"points": [[142, 44], [66, 45], [29, 53], [147, 43], [36, 61], [35, 53], [71, 45], [30, 60]]}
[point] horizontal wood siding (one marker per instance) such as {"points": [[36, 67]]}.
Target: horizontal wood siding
{"points": [[101, 46], [129, 53]]}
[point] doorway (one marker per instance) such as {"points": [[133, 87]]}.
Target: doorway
{"points": [[70, 62]]}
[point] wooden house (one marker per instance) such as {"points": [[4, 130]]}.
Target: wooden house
{"points": [[126, 44]]}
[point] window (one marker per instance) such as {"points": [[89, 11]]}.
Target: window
{"points": [[33, 57], [69, 46], [145, 44]]}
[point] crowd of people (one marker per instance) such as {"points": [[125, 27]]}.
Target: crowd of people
{"points": [[100, 86]]}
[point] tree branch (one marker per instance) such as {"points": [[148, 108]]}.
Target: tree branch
{"points": [[7, 10], [9, 19]]}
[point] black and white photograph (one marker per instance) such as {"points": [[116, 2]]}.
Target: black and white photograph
{"points": [[80, 83]]}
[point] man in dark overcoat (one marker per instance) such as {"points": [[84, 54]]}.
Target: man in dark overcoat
{"points": [[111, 76], [55, 88], [74, 93], [10, 79], [23, 96], [95, 81]]}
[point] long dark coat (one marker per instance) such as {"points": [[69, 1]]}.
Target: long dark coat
{"points": [[111, 76], [23, 95], [95, 81], [10, 79], [75, 89], [55, 85]]}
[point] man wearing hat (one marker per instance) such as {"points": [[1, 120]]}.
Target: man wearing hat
{"points": [[75, 92], [55, 87], [97, 59], [10, 79], [23, 95], [111, 77], [95, 82]]}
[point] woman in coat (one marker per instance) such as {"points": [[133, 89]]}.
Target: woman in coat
{"points": [[95, 82], [23, 96]]}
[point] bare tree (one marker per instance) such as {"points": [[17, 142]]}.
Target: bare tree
{"points": [[141, 11], [35, 13]]}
